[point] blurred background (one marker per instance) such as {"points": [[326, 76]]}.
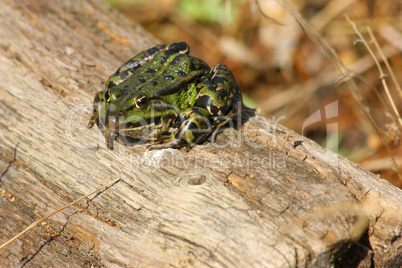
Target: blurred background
{"points": [[282, 71]]}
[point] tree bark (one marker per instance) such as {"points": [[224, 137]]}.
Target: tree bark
{"points": [[255, 198]]}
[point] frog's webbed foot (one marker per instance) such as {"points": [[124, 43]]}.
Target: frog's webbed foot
{"points": [[188, 135], [195, 125]]}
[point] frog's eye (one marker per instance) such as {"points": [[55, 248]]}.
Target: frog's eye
{"points": [[107, 96], [141, 102]]}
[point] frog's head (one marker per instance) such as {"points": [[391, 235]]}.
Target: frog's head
{"points": [[132, 116]]}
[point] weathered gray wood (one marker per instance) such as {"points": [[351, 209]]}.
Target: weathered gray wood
{"points": [[257, 201]]}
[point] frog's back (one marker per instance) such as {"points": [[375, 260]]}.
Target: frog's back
{"points": [[165, 75]]}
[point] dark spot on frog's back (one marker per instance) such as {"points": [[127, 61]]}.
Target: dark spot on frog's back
{"points": [[154, 83], [163, 60], [223, 92], [169, 52], [150, 71], [219, 80], [110, 84], [153, 51], [192, 66], [176, 60], [179, 46], [182, 74], [142, 81]]}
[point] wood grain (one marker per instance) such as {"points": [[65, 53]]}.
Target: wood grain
{"points": [[251, 199]]}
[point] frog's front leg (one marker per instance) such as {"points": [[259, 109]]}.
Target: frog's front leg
{"points": [[195, 125]]}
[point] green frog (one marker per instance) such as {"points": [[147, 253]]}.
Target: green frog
{"points": [[166, 97]]}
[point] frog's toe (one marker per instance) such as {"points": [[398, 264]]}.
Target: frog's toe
{"points": [[155, 145], [174, 144], [91, 122], [110, 144], [158, 147]]}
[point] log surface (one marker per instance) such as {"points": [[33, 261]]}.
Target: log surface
{"points": [[251, 199]]}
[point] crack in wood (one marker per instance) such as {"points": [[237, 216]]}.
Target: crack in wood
{"points": [[175, 236], [13, 159]]}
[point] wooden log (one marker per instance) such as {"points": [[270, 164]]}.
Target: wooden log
{"points": [[255, 198]]}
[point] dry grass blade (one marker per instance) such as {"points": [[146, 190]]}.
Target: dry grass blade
{"points": [[398, 120], [345, 74], [391, 34], [333, 57], [54, 212], [390, 98], [329, 12], [382, 74]]}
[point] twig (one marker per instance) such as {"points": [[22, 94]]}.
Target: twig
{"points": [[385, 60], [333, 57], [331, 10], [382, 74], [54, 212], [11, 162], [382, 77]]}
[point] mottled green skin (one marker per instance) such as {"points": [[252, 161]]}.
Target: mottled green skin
{"points": [[163, 95]]}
